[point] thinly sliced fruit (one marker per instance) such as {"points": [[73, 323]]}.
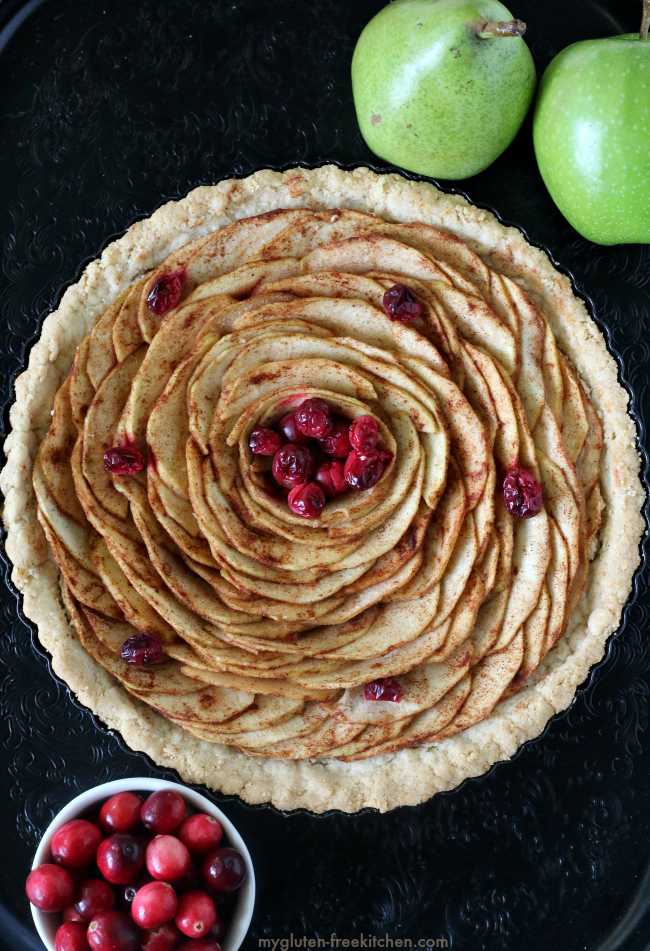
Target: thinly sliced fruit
{"points": [[274, 624]]}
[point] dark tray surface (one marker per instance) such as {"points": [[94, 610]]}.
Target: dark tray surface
{"points": [[107, 109]]}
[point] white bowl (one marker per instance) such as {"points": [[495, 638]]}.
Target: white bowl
{"points": [[47, 922]]}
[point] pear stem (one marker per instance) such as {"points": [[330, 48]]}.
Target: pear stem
{"points": [[505, 28], [645, 22]]}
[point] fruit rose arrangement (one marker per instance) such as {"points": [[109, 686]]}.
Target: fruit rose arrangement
{"points": [[139, 876], [321, 485]]}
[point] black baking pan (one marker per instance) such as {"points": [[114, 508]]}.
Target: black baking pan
{"points": [[108, 108]]}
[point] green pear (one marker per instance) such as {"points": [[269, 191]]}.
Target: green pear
{"points": [[441, 87], [592, 136]]}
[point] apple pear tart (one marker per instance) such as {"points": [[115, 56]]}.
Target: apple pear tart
{"points": [[322, 489]]}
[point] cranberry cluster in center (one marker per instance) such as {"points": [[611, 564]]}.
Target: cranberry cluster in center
{"points": [[319, 455]]}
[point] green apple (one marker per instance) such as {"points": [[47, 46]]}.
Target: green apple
{"points": [[591, 131], [441, 87]]}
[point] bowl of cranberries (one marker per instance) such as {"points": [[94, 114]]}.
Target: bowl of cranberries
{"points": [[141, 865]]}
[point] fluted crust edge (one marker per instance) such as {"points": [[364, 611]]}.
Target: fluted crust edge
{"points": [[392, 197]]}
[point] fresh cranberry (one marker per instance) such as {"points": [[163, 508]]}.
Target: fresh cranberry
{"points": [[290, 432], [191, 880], [71, 914], [123, 461], [120, 858], [196, 914], [292, 465], [364, 433], [50, 888], [522, 493], [363, 470], [314, 418], [113, 931], [163, 811], [330, 476], [224, 870], [200, 833], [202, 944], [167, 858], [264, 442], [384, 688], [75, 844], [401, 304], [121, 813], [127, 893], [165, 938], [218, 930], [154, 905], [142, 649], [71, 936], [307, 500], [337, 442], [92, 897], [165, 294]]}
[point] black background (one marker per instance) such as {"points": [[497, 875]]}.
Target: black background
{"points": [[109, 108]]}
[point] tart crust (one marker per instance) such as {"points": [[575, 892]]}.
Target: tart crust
{"points": [[383, 782]]}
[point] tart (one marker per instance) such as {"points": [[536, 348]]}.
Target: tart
{"points": [[412, 629]]}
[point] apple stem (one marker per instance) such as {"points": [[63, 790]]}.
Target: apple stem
{"points": [[645, 22], [505, 28]]}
